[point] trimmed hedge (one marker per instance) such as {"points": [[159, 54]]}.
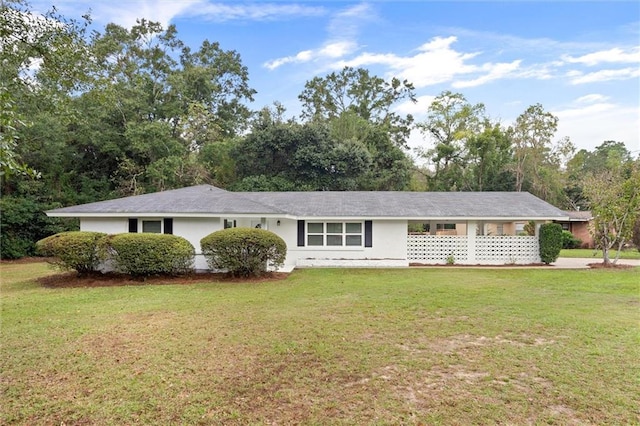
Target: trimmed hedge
{"points": [[244, 251], [73, 250], [550, 242], [149, 254]]}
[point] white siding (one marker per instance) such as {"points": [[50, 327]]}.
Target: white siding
{"points": [[389, 248], [389, 240], [193, 230], [107, 225]]}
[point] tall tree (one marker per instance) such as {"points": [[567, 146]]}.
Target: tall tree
{"points": [[488, 157], [390, 167], [610, 155], [157, 104], [614, 200], [42, 58], [451, 122], [531, 136], [539, 163], [354, 90], [299, 156]]}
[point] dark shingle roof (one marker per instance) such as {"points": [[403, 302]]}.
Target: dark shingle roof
{"points": [[206, 199], [409, 204], [193, 199]]}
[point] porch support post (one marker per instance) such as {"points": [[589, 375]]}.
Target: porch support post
{"points": [[472, 227], [537, 228], [432, 227]]}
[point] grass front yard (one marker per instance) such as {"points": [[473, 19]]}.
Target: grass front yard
{"points": [[337, 346], [597, 254]]}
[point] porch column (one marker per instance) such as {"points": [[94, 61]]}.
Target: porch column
{"points": [[537, 228], [472, 227], [432, 227]]}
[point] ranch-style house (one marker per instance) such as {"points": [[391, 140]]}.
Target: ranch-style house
{"points": [[335, 228]]}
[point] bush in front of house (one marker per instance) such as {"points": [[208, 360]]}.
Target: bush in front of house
{"points": [[569, 241], [148, 254], [244, 251], [73, 250], [550, 239]]}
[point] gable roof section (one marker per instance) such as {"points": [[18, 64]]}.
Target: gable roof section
{"points": [[199, 199], [211, 201]]}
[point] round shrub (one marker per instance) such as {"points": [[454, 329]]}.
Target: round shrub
{"points": [[73, 250], [550, 239], [569, 241], [244, 251], [149, 254]]}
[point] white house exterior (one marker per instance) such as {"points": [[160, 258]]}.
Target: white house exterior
{"points": [[372, 229]]}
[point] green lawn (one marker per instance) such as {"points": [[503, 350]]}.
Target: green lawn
{"points": [[597, 254], [325, 346]]}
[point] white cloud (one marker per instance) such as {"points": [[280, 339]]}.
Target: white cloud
{"points": [[614, 55], [221, 12], [328, 51], [578, 77], [418, 108], [493, 72], [591, 98], [342, 31], [589, 110], [591, 125], [346, 24], [125, 13]]}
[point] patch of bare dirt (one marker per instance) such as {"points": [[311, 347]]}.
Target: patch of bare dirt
{"points": [[111, 279]]}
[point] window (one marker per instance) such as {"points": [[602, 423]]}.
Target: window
{"points": [[152, 226], [334, 234], [315, 234]]}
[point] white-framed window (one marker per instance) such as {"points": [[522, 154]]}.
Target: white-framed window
{"points": [[335, 234]]}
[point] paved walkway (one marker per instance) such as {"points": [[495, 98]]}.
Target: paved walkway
{"points": [[583, 263]]}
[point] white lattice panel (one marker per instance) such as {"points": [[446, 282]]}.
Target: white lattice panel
{"points": [[485, 250], [437, 248], [507, 249]]}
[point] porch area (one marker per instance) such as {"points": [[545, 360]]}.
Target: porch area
{"points": [[468, 244]]}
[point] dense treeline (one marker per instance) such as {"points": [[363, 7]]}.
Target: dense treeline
{"points": [[92, 116]]}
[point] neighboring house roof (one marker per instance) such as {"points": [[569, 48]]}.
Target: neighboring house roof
{"points": [[579, 216], [209, 200]]}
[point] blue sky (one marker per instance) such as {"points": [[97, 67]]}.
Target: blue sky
{"points": [[579, 59]]}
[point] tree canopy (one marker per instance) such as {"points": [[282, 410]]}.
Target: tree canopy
{"points": [[92, 115]]}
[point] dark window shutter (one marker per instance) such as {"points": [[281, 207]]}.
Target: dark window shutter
{"points": [[368, 233], [301, 233], [133, 225], [168, 225]]}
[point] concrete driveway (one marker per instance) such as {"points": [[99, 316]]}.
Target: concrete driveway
{"points": [[583, 263]]}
